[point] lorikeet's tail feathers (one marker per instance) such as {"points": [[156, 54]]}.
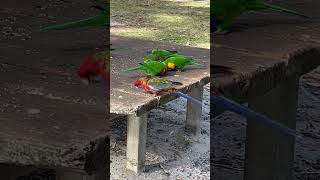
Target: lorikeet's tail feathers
{"points": [[74, 24], [176, 83], [265, 5], [135, 68], [198, 64], [249, 114], [187, 97]]}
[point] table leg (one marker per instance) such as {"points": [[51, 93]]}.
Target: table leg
{"points": [[194, 111], [270, 153], [136, 142]]}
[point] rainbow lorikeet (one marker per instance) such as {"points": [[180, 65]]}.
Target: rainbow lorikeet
{"points": [[158, 86], [95, 69], [172, 59], [218, 100], [179, 62], [159, 55], [102, 19], [224, 12], [163, 54], [152, 68]]}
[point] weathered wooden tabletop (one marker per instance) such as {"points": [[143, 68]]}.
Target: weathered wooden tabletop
{"points": [[265, 47], [126, 99], [47, 117]]}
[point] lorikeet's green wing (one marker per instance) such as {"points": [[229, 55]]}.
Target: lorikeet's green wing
{"points": [[101, 19], [143, 67], [180, 62], [155, 68], [163, 54], [152, 68], [177, 61], [161, 85], [158, 84], [151, 57], [140, 67]]}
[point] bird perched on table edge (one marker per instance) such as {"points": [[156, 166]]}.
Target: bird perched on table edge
{"points": [[158, 86]]}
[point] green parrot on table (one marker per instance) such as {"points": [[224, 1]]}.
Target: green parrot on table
{"points": [[224, 12], [172, 59], [152, 68], [159, 55], [179, 62]]}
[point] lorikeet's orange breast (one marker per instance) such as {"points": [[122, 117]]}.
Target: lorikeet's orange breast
{"points": [[171, 66]]}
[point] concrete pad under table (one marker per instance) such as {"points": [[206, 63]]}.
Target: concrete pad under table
{"points": [[127, 100], [268, 58]]}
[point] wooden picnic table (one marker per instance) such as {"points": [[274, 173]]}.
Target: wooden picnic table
{"points": [[48, 118], [128, 100], [269, 56]]}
